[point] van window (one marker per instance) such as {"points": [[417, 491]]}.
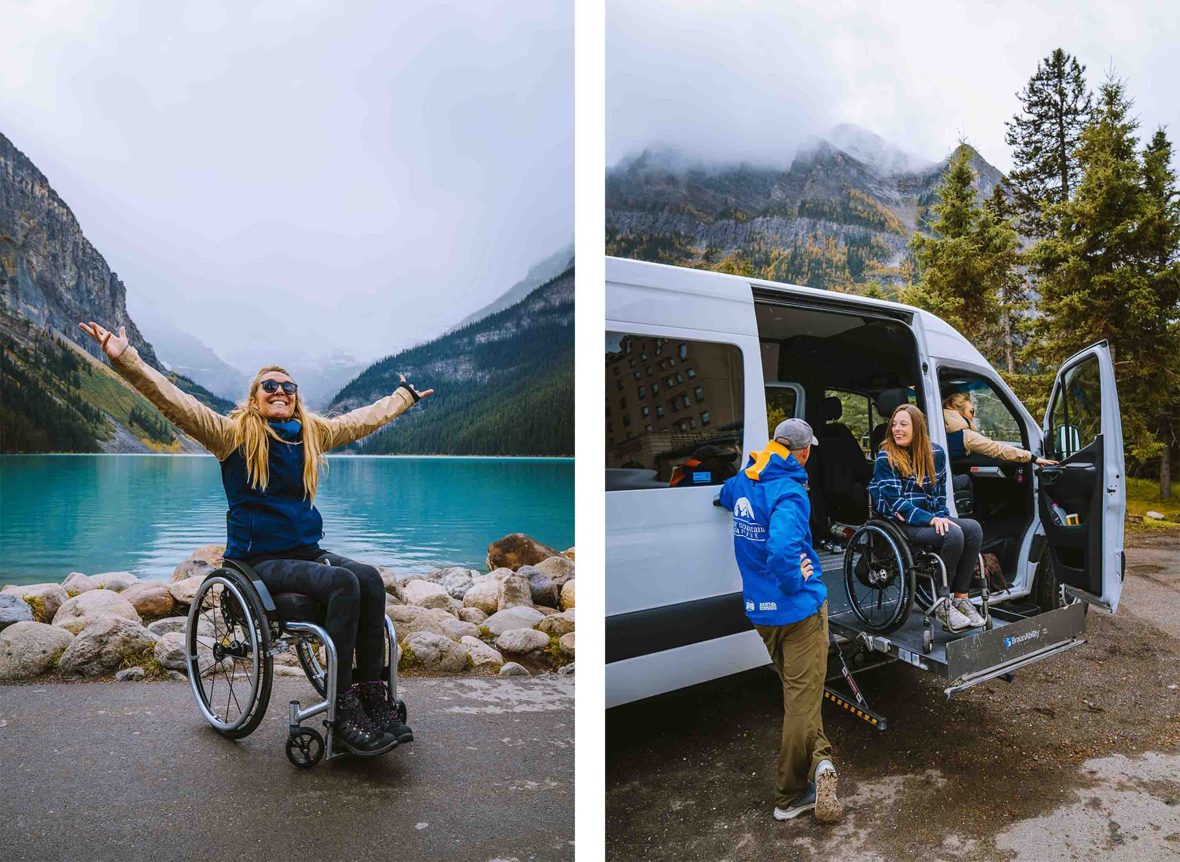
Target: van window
{"points": [[855, 415], [676, 450], [1076, 417], [994, 418]]}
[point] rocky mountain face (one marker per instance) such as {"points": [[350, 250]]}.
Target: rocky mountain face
{"points": [[52, 278], [841, 214], [50, 274], [503, 385]]}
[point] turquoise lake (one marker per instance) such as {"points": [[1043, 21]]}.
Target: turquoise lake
{"points": [[146, 513]]}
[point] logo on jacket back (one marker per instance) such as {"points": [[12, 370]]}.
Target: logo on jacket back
{"points": [[745, 525]]}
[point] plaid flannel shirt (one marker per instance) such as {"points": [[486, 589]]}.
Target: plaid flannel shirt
{"points": [[902, 498]]}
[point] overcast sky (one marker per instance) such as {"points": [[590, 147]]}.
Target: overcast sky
{"points": [[734, 79], [357, 176]]}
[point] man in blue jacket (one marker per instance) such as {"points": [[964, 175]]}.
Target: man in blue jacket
{"points": [[786, 600]]}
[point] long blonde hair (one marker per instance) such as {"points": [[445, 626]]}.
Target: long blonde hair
{"points": [[957, 401], [253, 435], [918, 459]]}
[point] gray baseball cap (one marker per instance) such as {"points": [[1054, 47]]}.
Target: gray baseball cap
{"points": [[796, 433]]}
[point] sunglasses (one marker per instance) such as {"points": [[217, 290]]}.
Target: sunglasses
{"points": [[272, 386]]}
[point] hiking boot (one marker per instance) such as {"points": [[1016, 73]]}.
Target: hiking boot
{"points": [[804, 803], [355, 731], [379, 706], [827, 805], [952, 618], [967, 609]]}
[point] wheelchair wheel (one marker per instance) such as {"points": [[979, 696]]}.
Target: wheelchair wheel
{"points": [[227, 651], [305, 747], [878, 578]]}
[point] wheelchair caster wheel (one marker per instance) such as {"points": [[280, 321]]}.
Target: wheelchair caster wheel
{"points": [[402, 714], [927, 640], [305, 747]]}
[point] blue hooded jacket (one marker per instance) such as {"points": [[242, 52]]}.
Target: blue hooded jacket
{"points": [[771, 514], [275, 520]]}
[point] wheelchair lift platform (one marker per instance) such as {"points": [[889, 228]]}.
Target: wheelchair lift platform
{"points": [[964, 659]]}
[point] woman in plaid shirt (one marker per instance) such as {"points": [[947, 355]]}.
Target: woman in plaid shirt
{"points": [[909, 485]]}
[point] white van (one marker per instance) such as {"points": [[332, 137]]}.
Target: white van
{"points": [[701, 365]]}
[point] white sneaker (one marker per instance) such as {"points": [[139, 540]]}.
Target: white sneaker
{"points": [[952, 618], [827, 805], [967, 609]]}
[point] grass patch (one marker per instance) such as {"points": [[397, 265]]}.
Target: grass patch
{"points": [[146, 659], [1143, 495]]}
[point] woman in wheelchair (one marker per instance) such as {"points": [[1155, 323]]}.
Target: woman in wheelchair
{"points": [[909, 485], [271, 449]]}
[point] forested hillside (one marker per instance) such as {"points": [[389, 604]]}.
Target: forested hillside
{"points": [[503, 385]]}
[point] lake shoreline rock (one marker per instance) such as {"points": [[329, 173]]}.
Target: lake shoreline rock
{"points": [[516, 619]]}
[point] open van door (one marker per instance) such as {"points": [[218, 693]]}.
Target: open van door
{"points": [[1083, 500]]}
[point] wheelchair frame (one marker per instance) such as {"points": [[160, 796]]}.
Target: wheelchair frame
{"points": [[305, 746]]}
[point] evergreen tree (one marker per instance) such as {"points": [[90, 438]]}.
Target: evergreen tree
{"points": [[1056, 106], [1160, 232], [1095, 280], [967, 267]]}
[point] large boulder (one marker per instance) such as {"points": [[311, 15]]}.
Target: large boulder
{"points": [[457, 629], [150, 598], [558, 569], [566, 643], [392, 587], [522, 641], [411, 619], [485, 595], [436, 652], [103, 646], [514, 592], [568, 553], [42, 599], [185, 591], [567, 595], [481, 654], [426, 594], [170, 652], [190, 568], [541, 587], [116, 582], [516, 550], [472, 615], [76, 583], [557, 625], [14, 609], [79, 612], [455, 580], [512, 618], [177, 624], [29, 649]]}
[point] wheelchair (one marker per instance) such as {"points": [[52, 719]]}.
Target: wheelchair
{"points": [[234, 630], [885, 575]]}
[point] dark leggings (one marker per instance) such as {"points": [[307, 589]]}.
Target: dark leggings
{"points": [[958, 547], [354, 596]]}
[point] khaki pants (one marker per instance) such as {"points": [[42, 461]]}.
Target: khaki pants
{"points": [[799, 652]]}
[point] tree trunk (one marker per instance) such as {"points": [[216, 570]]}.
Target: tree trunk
{"points": [[1006, 325]]}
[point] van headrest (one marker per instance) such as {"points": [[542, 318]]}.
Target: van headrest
{"points": [[889, 400], [830, 409]]}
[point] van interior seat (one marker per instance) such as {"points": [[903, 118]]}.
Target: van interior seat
{"points": [[844, 472], [887, 401]]}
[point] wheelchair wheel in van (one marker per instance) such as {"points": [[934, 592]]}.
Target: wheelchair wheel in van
{"points": [[227, 650], [878, 578]]}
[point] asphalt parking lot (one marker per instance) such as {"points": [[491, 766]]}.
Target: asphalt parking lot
{"points": [[1076, 759]]}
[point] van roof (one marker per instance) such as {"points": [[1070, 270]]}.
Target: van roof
{"points": [[942, 338]]}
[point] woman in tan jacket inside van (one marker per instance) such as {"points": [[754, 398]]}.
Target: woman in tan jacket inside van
{"points": [[958, 413]]}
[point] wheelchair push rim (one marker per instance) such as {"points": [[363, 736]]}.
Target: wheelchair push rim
{"points": [[227, 661], [878, 578]]}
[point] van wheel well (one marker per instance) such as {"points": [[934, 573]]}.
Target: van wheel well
{"points": [[1047, 590]]}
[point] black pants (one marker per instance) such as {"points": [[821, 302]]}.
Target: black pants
{"points": [[958, 547], [354, 596]]}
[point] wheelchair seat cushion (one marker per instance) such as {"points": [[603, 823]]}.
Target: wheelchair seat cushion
{"points": [[297, 607]]}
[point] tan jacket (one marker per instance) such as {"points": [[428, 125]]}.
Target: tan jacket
{"points": [[973, 441], [213, 431]]}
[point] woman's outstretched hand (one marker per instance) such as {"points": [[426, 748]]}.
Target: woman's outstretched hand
{"points": [[421, 394], [112, 345]]}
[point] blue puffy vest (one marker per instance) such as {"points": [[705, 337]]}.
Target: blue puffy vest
{"points": [[275, 520]]}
